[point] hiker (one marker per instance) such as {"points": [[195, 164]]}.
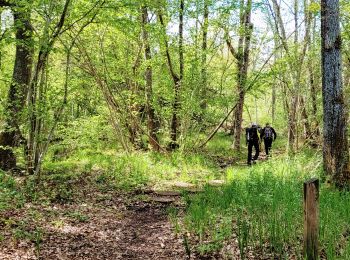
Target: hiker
{"points": [[252, 138], [269, 135]]}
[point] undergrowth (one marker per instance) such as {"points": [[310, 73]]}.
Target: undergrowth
{"points": [[263, 207], [10, 195], [259, 206]]}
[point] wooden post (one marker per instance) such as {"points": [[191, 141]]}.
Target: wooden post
{"points": [[311, 219]]}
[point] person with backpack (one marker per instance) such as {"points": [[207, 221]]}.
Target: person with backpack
{"points": [[252, 138], [268, 134]]}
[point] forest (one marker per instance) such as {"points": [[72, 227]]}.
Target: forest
{"points": [[174, 129]]}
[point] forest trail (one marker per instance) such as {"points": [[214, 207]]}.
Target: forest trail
{"points": [[104, 226]]}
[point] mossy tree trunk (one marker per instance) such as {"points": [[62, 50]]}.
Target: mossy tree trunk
{"points": [[12, 136]]}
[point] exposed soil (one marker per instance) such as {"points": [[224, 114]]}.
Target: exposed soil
{"points": [[103, 224], [106, 226]]}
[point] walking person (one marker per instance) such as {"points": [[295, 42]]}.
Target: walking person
{"points": [[252, 138], [268, 134]]}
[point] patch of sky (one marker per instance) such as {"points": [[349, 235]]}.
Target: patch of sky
{"points": [[6, 19]]}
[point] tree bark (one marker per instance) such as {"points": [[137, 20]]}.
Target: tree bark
{"points": [[134, 106], [305, 119], [314, 88], [204, 76], [153, 140], [177, 79], [335, 143], [12, 135], [176, 105], [33, 91], [242, 64]]}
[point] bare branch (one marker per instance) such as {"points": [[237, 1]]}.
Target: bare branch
{"points": [[167, 52], [230, 46]]}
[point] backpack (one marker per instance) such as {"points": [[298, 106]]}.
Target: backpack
{"points": [[268, 132], [252, 134]]}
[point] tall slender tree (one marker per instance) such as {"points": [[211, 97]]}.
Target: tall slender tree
{"points": [[35, 89], [204, 77], [177, 77], [148, 75], [242, 57], [335, 144], [295, 61]]}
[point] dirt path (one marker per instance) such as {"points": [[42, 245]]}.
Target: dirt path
{"points": [[107, 226]]}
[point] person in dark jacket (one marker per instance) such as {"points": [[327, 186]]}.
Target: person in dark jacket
{"points": [[252, 138], [268, 134]]}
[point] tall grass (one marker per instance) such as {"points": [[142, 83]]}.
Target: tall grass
{"points": [[263, 207], [136, 169]]}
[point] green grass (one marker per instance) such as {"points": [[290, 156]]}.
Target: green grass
{"points": [[137, 169], [263, 206], [10, 196]]}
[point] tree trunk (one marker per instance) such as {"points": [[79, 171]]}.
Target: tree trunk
{"points": [[176, 105], [12, 135], [33, 143], [176, 78], [315, 130], [292, 124], [153, 140], [335, 144], [305, 119], [314, 88], [204, 57], [243, 63], [295, 65], [273, 103], [134, 126]]}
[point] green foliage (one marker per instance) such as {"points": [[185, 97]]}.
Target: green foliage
{"points": [[77, 216], [314, 7], [54, 188], [22, 232], [263, 206], [10, 196]]}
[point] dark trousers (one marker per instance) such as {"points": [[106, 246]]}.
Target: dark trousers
{"points": [[250, 150], [268, 144]]}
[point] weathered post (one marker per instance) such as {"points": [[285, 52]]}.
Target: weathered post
{"points": [[311, 219]]}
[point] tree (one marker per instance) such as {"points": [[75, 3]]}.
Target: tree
{"points": [[12, 135], [148, 75], [35, 91], [335, 144], [204, 73], [295, 62], [177, 78], [242, 56]]}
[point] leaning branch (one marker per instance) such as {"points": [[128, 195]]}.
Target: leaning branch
{"points": [[252, 83], [175, 77], [230, 46]]}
